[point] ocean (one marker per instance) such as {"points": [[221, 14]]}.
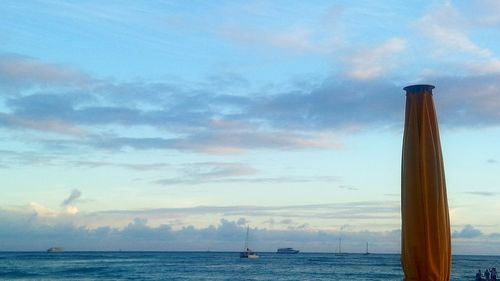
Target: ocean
{"points": [[216, 266]]}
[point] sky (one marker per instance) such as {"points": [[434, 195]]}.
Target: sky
{"points": [[174, 125]]}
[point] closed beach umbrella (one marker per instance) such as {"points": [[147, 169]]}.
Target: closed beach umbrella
{"points": [[425, 241]]}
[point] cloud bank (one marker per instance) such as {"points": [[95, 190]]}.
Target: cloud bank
{"points": [[201, 119], [28, 232]]}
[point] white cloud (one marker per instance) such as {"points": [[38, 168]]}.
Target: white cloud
{"points": [[72, 210], [446, 26], [484, 12], [454, 40], [468, 231], [43, 211], [47, 213], [451, 29], [372, 63], [23, 232], [226, 235]]}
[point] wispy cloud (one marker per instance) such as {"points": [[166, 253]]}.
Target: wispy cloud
{"points": [[482, 193], [215, 141], [11, 157], [377, 61], [297, 40], [350, 210], [301, 35], [275, 180], [132, 166], [452, 28], [201, 120], [21, 71], [445, 26], [72, 198], [348, 187], [210, 172], [471, 101], [42, 125]]}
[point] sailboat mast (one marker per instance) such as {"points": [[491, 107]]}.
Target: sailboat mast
{"points": [[246, 239], [340, 245]]}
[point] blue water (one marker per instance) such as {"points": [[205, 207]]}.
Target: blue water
{"points": [[216, 266]]}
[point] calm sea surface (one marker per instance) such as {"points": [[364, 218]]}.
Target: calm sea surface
{"points": [[216, 266]]}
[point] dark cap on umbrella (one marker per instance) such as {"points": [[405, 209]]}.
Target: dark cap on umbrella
{"points": [[418, 88]]}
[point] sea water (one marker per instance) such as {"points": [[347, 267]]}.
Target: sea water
{"points": [[216, 266]]}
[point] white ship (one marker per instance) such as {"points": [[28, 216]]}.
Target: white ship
{"points": [[55, 250], [287, 251]]}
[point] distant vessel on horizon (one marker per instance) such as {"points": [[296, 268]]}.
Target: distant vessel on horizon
{"points": [[55, 250], [366, 253], [247, 253], [287, 251], [339, 252]]}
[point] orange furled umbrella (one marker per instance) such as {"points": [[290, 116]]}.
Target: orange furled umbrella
{"points": [[425, 238]]}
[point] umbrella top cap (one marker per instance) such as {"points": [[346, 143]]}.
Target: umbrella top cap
{"points": [[418, 88]]}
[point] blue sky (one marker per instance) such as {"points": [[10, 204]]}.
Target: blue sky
{"points": [[178, 123]]}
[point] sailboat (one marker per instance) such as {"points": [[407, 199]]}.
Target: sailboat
{"points": [[339, 253], [367, 253], [247, 253]]}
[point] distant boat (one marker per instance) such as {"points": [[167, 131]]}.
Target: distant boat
{"points": [[339, 252], [55, 250], [247, 253], [287, 251], [367, 253]]}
